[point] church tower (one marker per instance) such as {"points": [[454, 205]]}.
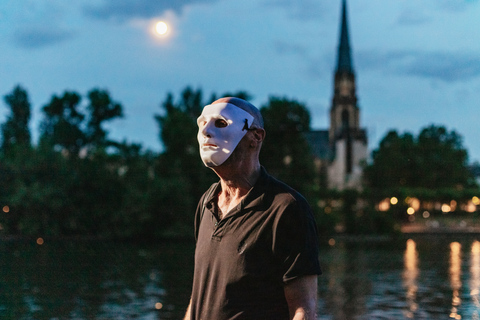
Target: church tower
{"points": [[347, 140]]}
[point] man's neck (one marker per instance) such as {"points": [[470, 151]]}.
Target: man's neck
{"points": [[236, 183]]}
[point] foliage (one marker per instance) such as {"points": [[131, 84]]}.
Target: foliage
{"points": [[62, 124], [434, 159], [285, 152], [15, 131], [77, 181], [102, 109]]}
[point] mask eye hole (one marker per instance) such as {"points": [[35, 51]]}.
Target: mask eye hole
{"points": [[220, 123]]}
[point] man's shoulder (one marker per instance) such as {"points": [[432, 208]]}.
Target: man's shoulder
{"points": [[279, 191]]}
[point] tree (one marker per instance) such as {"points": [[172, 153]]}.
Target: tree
{"points": [[101, 109], [15, 131], [435, 159], [444, 159], [393, 162], [285, 152], [62, 125], [181, 173]]}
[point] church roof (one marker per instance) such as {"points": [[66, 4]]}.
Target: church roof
{"points": [[344, 63]]}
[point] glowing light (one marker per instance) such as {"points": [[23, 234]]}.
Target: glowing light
{"points": [[331, 242], [161, 28], [410, 211], [384, 205], [470, 206], [453, 205], [476, 200], [393, 200], [6, 209], [413, 202], [40, 241], [426, 214], [446, 208], [158, 305], [287, 160]]}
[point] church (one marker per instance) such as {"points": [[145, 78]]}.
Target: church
{"points": [[340, 152]]}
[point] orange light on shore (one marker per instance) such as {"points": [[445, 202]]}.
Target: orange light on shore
{"points": [[6, 209], [476, 200], [40, 241], [446, 208]]}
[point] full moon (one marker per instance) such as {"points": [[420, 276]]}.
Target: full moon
{"points": [[161, 28]]}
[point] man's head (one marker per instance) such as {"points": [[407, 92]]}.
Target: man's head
{"points": [[223, 124]]}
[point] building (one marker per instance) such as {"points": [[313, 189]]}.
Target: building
{"points": [[341, 151]]}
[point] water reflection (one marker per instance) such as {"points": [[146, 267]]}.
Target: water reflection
{"points": [[455, 280], [94, 280], [410, 275], [475, 278], [419, 278]]}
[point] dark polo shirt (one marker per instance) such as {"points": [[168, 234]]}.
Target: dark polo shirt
{"points": [[243, 261]]}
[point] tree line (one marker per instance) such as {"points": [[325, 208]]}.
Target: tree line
{"points": [[75, 180]]}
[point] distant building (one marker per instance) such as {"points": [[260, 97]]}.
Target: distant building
{"points": [[341, 151]]}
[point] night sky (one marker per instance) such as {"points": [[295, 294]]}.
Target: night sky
{"points": [[416, 62]]}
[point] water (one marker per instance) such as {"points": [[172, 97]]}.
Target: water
{"points": [[423, 277]]}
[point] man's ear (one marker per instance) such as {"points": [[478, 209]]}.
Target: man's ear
{"points": [[258, 136]]}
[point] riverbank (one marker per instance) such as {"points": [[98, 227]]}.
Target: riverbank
{"points": [[443, 225]]}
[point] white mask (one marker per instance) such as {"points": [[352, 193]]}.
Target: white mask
{"points": [[221, 126]]}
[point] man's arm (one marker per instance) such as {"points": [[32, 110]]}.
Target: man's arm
{"points": [[301, 296]]}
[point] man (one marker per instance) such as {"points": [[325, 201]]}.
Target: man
{"points": [[256, 253]]}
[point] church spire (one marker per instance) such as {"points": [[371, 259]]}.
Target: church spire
{"points": [[344, 63]]}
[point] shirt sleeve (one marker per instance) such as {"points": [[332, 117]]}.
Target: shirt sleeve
{"points": [[296, 241]]}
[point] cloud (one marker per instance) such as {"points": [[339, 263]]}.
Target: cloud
{"points": [[122, 10], [303, 10], [445, 66], [314, 67], [36, 37], [454, 5], [410, 16]]}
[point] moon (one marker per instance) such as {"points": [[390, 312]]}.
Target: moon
{"points": [[161, 28]]}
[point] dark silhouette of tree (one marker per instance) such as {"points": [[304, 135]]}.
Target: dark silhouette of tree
{"points": [[444, 161], [184, 177], [435, 159], [285, 151], [62, 124], [15, 131], [101, 109]]}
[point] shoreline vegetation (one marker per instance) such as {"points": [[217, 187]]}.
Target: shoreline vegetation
{"points": [[76, 182]]}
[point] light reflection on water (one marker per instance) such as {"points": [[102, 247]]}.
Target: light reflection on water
{"points": [[475, 278], [455, 281], [424, 277], [410, 275]]}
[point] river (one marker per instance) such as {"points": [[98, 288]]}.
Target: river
{"points": [[417, 277]]}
